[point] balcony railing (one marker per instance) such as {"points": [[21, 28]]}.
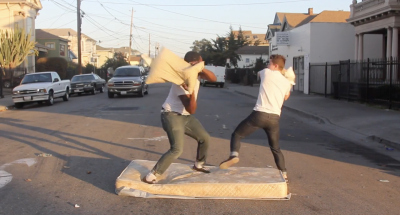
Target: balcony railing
{"points": [[367, 4]]}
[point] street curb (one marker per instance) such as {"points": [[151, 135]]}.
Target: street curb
{"points": [[6, 108], [323, 120]]}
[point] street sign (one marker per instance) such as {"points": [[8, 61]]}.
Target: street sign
{"points": [[283, 38]]}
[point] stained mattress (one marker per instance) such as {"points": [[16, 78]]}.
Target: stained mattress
{"points": [[180, 181]]}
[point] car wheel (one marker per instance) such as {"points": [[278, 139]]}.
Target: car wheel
{"points": [[19, 105], [94, 90], [7, 84], [141, 94], [66, 96], [50, 100], [40, 102], [222, 85], [102, 89], [79, 94], [110, 95], [147, 91]]}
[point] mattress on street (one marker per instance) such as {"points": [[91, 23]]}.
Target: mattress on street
{"points": [[180, 181]]}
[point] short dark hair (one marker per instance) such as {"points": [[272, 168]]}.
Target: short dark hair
{"points": [[192, 56], [278, 60]]}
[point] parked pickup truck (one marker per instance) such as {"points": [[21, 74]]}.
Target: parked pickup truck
{"points": [[41, 87], [128, 80]]}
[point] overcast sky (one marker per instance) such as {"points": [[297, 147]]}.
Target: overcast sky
{"points": [[174, 24]]}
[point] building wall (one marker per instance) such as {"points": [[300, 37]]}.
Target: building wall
{"points": [[56, 52], [251, 60], [104, 55], [11, 19]]}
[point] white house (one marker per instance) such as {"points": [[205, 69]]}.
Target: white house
{"points": [[376, 17], [249, 54], [316, 38], [20, 14], [88, 46]]}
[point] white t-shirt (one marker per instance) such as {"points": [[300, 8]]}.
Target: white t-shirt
{"points": [[173, 102], [273, 89]]}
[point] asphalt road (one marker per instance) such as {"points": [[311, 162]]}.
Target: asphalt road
{"points": [[90, 134]]}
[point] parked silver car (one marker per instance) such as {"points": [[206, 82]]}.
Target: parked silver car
{"points": [[128, 80]]}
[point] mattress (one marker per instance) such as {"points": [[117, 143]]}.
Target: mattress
{"points": [[180, 181]]}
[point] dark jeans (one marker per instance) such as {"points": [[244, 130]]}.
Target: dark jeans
{"points": [[176, 127], [270, 124]]}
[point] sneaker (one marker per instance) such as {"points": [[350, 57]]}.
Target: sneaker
{"points": [[231, 160], [149, 182], [284, 174], [202, 169]]}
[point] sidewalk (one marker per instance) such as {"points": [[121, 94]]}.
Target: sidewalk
{"points": [[6, 103], [378, 124]]}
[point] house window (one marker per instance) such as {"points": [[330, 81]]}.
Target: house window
{"points": [[51, 46], [255, 37], [247, 60], [247, 37], [62, 50]]}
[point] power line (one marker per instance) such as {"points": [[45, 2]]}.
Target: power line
{"points": [[200, 17], [207, 5]]}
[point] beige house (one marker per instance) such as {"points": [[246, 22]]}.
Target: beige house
{"points": [[88, 47], [253, 38], [104, 54], [21, 14], [376, 17]]}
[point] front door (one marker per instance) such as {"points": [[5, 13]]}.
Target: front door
{"points": [[298, 67]]}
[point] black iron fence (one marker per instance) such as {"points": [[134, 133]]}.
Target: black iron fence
{"points": [[245, 76], [373, 81]]}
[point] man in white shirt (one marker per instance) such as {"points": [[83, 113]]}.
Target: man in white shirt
{"points": [[177, 120], [274, 90]]}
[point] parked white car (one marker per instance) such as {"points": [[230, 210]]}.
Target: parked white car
{"points": [[41, 87], [219, 72]]}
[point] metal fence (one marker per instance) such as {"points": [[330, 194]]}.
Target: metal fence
{"points": [[373, 81]]}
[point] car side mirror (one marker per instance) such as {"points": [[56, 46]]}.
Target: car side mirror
{"points": [[56, 80]]}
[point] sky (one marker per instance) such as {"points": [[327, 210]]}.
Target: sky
{"points": [[174, 24]]}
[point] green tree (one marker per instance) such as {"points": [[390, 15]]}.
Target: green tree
{"points": [[115, 62], [15, 46], [89, 68]]}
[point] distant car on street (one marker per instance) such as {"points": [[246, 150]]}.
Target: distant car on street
{"points": [[87, 83], [128, 80], [12, 82]]}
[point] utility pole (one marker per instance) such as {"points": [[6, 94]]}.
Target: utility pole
{"points": [[79, 37], [149, 45], [130, 40]]}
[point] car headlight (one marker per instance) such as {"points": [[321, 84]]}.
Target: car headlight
{"points": [[137, 83], [41, 90], [110, 84], [15, 92], [87, 85]]}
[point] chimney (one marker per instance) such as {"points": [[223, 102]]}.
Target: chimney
{"points": [[310, 11]]}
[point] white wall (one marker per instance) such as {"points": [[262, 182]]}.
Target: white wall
{"points": [[252, 59]]}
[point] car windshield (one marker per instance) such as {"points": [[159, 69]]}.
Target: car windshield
{"points": [[82, 78], [127, 72], [36, 78]]}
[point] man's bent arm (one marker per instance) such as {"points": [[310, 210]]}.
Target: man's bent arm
{"points": [[208, 75], [189, 101]]}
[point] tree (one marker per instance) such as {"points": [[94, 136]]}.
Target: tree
{"points": [[204, 48], [257, 42], [115, 62], [15, 46]]}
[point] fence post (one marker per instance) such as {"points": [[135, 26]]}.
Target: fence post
{"points": [[367, 81], [391, 85], [348, 81], [326, 78]]}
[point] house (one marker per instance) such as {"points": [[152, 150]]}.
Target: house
{"points": [[88, 47], [258, 39], [56, 46], [376, 17], [135, 60], [305, 38], [104, 54], [249, 54], [21, 14]]}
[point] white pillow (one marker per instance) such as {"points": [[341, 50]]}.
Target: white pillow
{"points": [[168, 67]]}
